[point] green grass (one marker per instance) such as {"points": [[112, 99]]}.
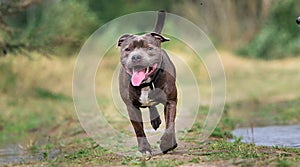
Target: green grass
{"points": [[215, 152], [284, 112], [47, 94], [232, 150], [21, 120]]}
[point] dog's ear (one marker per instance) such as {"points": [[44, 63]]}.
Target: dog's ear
{"points": [[160, 37], [123, 38]]}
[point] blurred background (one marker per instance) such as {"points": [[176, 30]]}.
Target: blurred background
{"points": [[258, 41], [255, 29]]}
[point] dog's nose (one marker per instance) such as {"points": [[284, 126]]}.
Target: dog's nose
{"points": [[136, 58]]}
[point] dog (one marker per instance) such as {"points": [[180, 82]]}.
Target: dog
{"points": [[147, 78], [298, 21]]}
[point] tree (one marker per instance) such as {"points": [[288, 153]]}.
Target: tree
{"points": [[47, 26], [9, 8]]}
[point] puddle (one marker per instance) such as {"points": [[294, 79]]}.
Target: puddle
{"points": [[14, 154], [282, 136]]}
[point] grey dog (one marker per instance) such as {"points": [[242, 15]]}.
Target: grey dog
{"points": [[147, 78]]}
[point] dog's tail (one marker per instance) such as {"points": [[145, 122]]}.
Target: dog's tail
{"points": [[160, 21]]}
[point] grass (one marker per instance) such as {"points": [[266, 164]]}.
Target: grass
{"points": [[32, 99], [37, 112], [214, 152], [46, 94]]}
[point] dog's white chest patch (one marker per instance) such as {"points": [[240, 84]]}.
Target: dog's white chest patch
{"points": [[144, 98]]}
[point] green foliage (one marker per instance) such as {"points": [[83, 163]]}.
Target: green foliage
{"points": [[220, 133], [279, 37], [223, 130], [106, 10], [61, 27], [233, 150]]}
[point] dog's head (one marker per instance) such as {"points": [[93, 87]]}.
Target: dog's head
{"points": [[298, 21], [141, 56]]}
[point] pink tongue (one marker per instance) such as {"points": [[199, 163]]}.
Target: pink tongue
{"points": [[138, 77]]}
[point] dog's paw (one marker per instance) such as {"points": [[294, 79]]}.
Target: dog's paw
{"points": [[145, 151], [146, 154], [144, 146], [143, 156], [168, 142], [156, 122]]}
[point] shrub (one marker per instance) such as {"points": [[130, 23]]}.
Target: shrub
{"points": [[279, 37], [58, 27]]}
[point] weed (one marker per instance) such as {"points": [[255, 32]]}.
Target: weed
{"points": [[223, 130], [237, 139], [221, 133], [229, 150]]}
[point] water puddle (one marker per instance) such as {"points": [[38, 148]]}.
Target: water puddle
{"points": [[282, 136], [15, 154]]}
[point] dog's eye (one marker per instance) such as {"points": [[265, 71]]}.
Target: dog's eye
{"points": [[127, 49]]}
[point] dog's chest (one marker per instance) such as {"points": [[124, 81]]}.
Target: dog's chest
{"points": [[145, 99]]}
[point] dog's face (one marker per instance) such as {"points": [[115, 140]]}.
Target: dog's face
{"points": [[141, 55], [298, 21]]}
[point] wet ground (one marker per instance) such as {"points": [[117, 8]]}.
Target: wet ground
{"points": [[282, 136], [16, 154], [13, 154]]}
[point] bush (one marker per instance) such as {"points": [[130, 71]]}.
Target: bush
{"points": [[58, 27], [279, 37]]}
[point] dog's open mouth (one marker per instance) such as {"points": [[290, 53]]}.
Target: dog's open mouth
{"points": [[139, 74]]}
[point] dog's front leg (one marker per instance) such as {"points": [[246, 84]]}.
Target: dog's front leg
{"points": [[137, 123], [154, 117], [168, 140]]}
